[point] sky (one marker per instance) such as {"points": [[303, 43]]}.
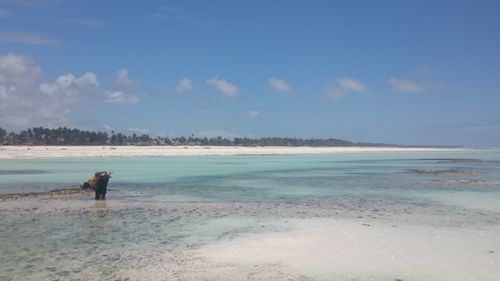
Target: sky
{"points": [[401, 72]]}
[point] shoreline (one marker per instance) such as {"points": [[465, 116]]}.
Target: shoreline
{"points": [[44, 152]]}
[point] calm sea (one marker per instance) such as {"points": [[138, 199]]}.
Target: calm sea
{"points": [[160, 205]]}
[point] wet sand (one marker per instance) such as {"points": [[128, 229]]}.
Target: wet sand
{"points": [[341, 239], [52, 194]]}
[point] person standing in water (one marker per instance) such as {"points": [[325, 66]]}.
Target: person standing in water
{"points": [[102, 185]]}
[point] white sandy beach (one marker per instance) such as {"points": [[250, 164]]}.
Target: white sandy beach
{"points": [[35, 152]]}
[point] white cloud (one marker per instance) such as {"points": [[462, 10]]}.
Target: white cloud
{"points": [[224, 87], [139, 131], [423, 82], [351, 85], [19, 71], [185, 85], [4, 14], [344, 86], [253, 113], [119, 97], [405, 86], [25, 102], [122, 78], [70, 88], [217, 133], [124, 91], [279, 85], [28, 38]]}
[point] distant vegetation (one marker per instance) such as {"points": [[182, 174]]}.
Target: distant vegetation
{"points": [[66, 136]]}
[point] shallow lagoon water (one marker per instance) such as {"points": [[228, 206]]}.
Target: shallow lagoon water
{"points": [[163, 211]]}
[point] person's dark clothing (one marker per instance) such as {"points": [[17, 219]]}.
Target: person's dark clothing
{"points": [[85, 186], [101, 188]]}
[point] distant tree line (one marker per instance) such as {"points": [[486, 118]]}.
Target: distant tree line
{"points": [[67, 136]]}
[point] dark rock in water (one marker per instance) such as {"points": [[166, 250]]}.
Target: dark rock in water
{"points": [[491, 251], [397, 279]]}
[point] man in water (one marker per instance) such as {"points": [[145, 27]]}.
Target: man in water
{"points": [[102, 185]]}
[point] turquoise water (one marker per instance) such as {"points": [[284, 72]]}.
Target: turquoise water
{"points": [[158, 205], [289, 177]]}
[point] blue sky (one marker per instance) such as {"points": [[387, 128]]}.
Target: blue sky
{"points": [[420, 72]]}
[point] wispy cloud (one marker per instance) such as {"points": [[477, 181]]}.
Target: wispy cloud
{"points": [[122, 78], [28, 38], [344, 86], [4, 14], [211, 24], [224, 87], [184, 85], [168, 13], [279, 85], [421, 82], [139, 131], [94, 23], [174, 14], [125, 90], [168, 8], [159, 16], [253, 113], [29, 3], [119, 97], [405, 86]]}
